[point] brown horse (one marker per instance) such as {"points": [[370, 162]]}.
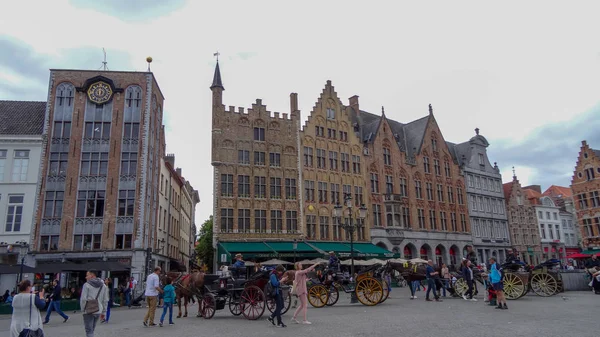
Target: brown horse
{"points": [[186, 287], [409, 271]]}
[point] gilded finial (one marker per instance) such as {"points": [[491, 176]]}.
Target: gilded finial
{"points": [[149, 60]]}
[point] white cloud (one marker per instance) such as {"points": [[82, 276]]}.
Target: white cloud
{"points": [[507, 69]]}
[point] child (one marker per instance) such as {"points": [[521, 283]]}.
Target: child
{"points": [[169, 299], [491, 295]]}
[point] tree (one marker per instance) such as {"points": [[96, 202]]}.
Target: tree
{"points": [[204, 249]]}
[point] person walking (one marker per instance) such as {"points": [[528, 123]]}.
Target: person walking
{"points": [[169, 299], [301, 291], [26, 311], [276, 279], [108, 284], [130, 291], [467, 273], [446, 277], [93, 302], [430, 273], [55, 303], [496, 280], [152, 290]]}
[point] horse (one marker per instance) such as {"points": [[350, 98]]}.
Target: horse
{"points": [[410, 272], [186, 287]]}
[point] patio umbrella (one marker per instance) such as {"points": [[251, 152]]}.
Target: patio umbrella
{"points": [[418, 260], [303, 262], [318, 260], [274, 262], [398, 260], [373, 262], [578, 256]]}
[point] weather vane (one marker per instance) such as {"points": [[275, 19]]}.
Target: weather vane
{"points": [[514, 173], [217, 55]]}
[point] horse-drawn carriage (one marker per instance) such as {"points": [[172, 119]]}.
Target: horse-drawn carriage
{"points": [[543, 279], [370, 287]]}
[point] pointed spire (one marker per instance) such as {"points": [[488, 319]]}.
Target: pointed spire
{"points": [[217, 83], [382, 111], [430, 109]]}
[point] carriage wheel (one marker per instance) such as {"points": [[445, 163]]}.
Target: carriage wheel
{"points": [[252, 302], [461, 287], [544, 285], [513, 286], [208, 306], [318, 296], [235, 306], [287, 302], [334, 295], [369, 291], [386, 291]]}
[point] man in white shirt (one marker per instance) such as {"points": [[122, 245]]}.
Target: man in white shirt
{"points": [[152, 290]]}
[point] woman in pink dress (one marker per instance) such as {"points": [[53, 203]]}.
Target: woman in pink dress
{"points": [[301, 291]]}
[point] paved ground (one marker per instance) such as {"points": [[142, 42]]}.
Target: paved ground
{"points": [[573, 316]]}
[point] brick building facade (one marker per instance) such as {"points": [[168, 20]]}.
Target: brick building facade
{"points": [[585, 185], [332, 167], [100, 169], [522, 223], [255, 161]]}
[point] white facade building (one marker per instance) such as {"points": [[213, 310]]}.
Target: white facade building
{"points": [[21, 127], [551, 230]]}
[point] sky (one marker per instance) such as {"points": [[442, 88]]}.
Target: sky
{"points": [[527, 74]]}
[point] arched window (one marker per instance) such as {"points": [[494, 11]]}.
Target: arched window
{"points": [[63, 110], [407, 253], [132, 112]]}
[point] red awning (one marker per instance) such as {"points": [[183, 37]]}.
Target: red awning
{"points": [[573, 250], [554, 249], [545, 249], [578, 256], [406, 251], [438, 251], [452, 252], [423, 251]]}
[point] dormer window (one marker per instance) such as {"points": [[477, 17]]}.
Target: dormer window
{"points": [[481, 159], [433, 144]]}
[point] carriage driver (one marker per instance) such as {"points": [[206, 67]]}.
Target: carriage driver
{"points": [[239, 261], [334, 262]]}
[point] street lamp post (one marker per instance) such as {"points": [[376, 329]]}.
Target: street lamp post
{"points": [[23, 256], [350, 224], [295, 246]]}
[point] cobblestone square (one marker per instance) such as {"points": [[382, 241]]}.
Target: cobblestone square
{"points": [[570, 314]]}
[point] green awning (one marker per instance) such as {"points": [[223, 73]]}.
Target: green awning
{"points": [[367, 250], [591, 251], [265, 250]]}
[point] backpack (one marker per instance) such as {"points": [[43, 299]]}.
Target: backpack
{"points": [[269, 290]]}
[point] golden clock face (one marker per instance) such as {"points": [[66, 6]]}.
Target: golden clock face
{"points": [[100, 92]]}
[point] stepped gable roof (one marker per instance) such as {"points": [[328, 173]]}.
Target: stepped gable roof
{"points": [[507, 188], [22, 117]]}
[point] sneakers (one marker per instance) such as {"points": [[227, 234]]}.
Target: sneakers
{"points": [[505, 307], [281, 325], [438, 300], [465, 297], [306, 322], [152, 324], [171, 323], [66, 319], [295, 321], [145, 324], [428, 300], [270, 319], [45, 322], [160, 324], [473, 300]]}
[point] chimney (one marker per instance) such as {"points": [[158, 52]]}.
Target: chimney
{"points": [[178, 170], [170, 158], [293, 102], [583, 143], [354, 104]]}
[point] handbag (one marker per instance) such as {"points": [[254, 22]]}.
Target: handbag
{"points": [[27, 332], [92, 306]]}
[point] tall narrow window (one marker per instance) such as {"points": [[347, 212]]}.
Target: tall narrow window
{"points": [[126, 202], [418, 189], [440, 192], [276, 221], [227, 185], [309, 190], [260, 220], [308, 156], [330, 113], [335, 193], [436, 166], [459, 193], [87, 242], [291, 221], [324, 227], [260, 187], [129, 163], [429, 189], [2, 163], [243, 186], [356, 164], [311, 226], [387, 157], [290, 189], [447, 169], [275, 188], [421, 216], [450, 194], [259, 158], [20, 165], [403, 187], [432, 220], [58, 164], [345, 162], [53, 204], [333, 160], [244, 157], [132, 113], [389, 184], [376, 215], [226, 219], [426, 166], [274, 159], [374, 183], [358, 196], [244, 220], [443, 221], [453, 224], [14, 213], [322, 192], [321, 159], [463, 223]]}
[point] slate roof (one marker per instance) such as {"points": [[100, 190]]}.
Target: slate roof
{"points": [[596, 152], [217, 83], [22, 117]]}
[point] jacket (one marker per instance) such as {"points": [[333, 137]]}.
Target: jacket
{"points": [[274, 282], [89, 292], [56, 293], [495, 276], [169, 294], [467, 273]]}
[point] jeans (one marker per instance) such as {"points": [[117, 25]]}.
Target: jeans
{"points": [[152, 302], [469, 293], [167, 306], [128, 298], [108, 311], [430, 287], [89, 322], [54, 305], [444, 286], [278, 307]]}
